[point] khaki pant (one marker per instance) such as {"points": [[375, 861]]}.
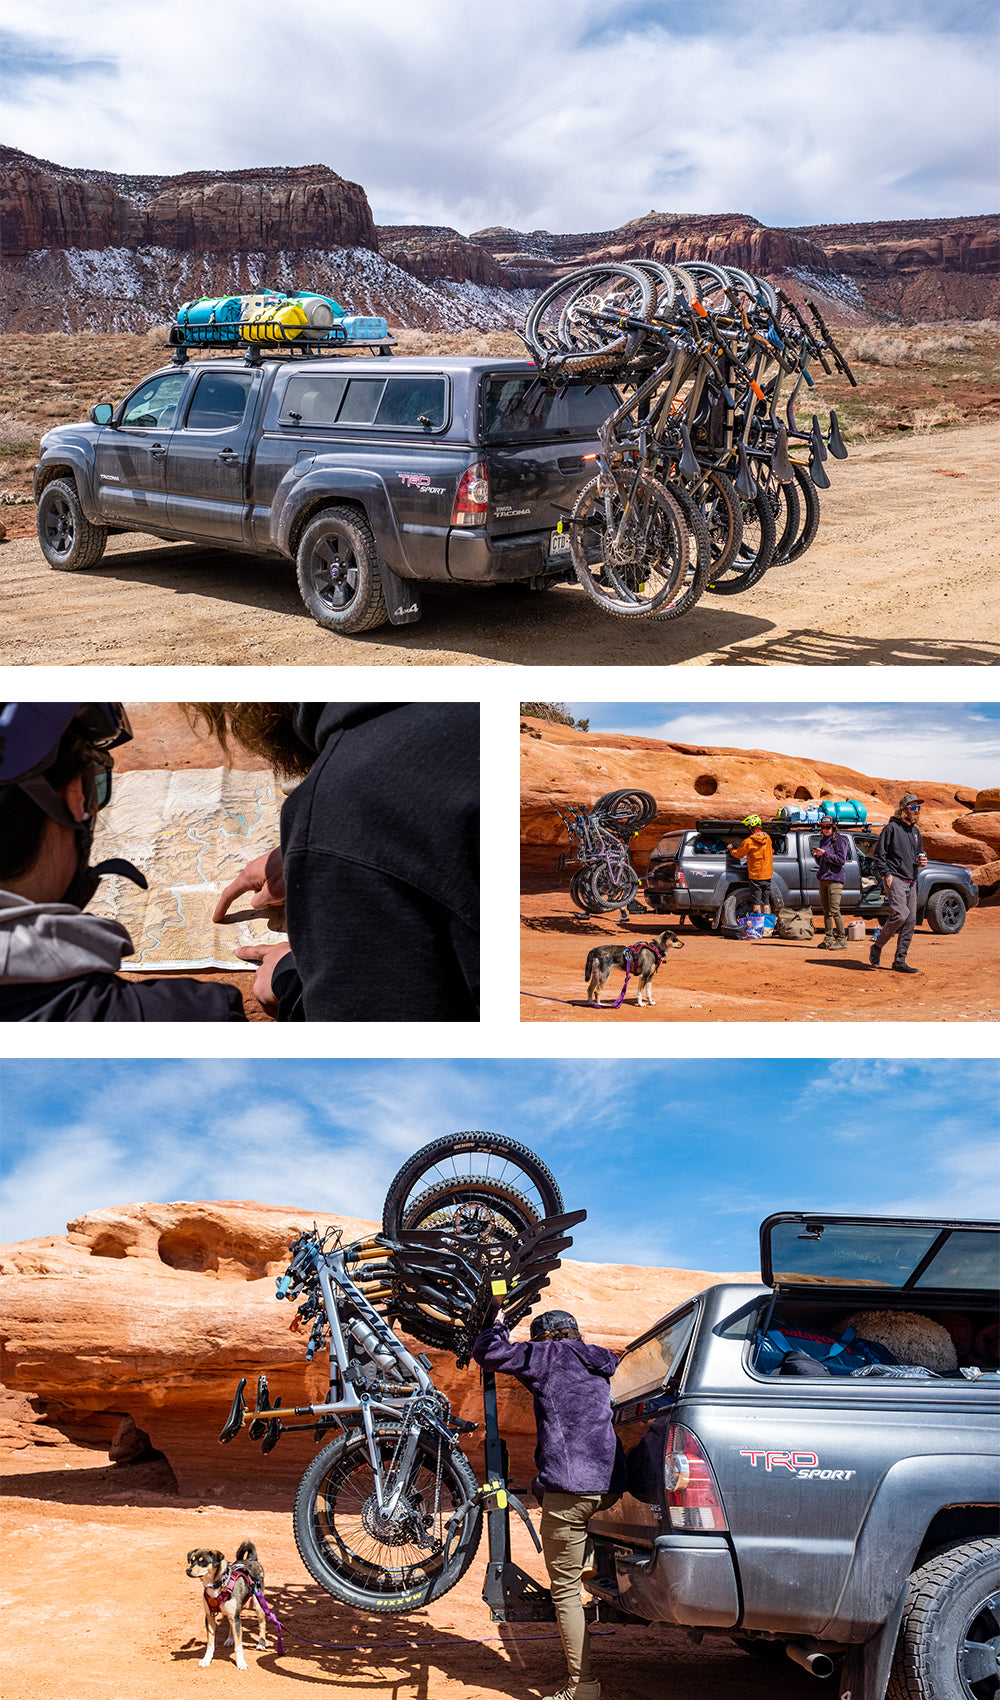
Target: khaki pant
{"points": [[829, 895], [564, 1542]]}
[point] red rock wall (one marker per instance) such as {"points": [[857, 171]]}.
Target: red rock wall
{"points": [[152, 1313], [561, 766]]}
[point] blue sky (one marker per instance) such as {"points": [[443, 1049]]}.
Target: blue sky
{"points": [[677, 1161], [567, 115], [951, 742]]}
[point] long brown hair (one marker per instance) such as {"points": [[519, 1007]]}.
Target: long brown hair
{"points": [[265, 729]]}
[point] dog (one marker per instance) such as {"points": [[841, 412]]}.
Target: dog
{"points": [[645, 959], [228, 1589]]}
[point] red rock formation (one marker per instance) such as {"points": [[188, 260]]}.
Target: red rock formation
{"points": [[266, 210], [431, 252], [561, 765], [139, 1321]]}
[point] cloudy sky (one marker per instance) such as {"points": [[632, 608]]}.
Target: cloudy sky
{"points": [[951, 742], [565, 115], [677, 1162]]}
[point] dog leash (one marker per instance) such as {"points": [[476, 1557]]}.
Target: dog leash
{"points": [[628, 952], [215, 1597]]}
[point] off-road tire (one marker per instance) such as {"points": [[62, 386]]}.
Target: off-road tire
{"points": [[700, 920], [333, 1557], [736, 905], [946, 1644], [337, 565], [66, 537], [401, 1198], [945, 911]]}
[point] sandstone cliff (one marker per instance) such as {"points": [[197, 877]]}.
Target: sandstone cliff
{"points": [[130, 1332], [561, 765]]}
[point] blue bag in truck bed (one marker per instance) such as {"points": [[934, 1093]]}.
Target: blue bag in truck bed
{"points": [[359, 329], [839, 1356], [849, 811]]}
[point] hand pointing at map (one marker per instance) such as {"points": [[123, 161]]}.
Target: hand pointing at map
{"points": [[264, 876]]}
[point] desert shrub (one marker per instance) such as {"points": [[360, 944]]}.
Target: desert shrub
{"points": [[16, 437]]}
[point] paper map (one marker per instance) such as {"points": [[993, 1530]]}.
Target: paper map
{"points": [[190, 832]]}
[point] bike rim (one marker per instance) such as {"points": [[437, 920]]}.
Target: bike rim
{"points": [[367, 1549]]}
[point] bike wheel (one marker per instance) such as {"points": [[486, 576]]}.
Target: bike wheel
{"points": [[755, 553], [625, 812], [809, 518], [630, 552], [559, 328], [689, 591], [787, 511], [723, 514], [378, 1563], [610, 892]]}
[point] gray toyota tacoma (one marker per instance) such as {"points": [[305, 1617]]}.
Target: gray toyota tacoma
{"points": [[694, 873], [806, 1492], [373, 476]]}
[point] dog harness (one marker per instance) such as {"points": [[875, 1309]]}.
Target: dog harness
{"points": [[217, 1596], [631, 965]]}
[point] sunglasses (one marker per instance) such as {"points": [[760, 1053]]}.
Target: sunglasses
{"points": [[97, 781]]}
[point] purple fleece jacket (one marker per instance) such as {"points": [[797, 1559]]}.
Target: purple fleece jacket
{"points": [[578, 1450], [833, 857]]}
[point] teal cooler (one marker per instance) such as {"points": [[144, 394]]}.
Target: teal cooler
{"points": [[358, 329]]}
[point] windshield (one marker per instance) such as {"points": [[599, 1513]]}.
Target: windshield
{"points": [[902, 1256], [519, 408]]}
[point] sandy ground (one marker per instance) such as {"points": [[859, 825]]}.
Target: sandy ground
{"points": [[903, 572], [100, 1605], [718, 979]]}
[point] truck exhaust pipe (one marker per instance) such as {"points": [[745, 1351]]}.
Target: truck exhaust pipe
{"points": [[818, 1664]]}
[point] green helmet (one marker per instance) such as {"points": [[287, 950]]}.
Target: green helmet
{"points": [[750, 820]]}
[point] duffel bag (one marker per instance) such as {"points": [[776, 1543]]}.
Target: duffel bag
{"points": [[795, 924], [839, 1355], [850, 811]]}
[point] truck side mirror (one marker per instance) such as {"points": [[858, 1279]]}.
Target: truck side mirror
{"points": [[102, 414]]}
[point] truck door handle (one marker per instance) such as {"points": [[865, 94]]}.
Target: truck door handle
{"points": [[227, 454], [157, 451]]}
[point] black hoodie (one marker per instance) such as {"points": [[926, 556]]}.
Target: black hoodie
{"points": [[380, 845]]}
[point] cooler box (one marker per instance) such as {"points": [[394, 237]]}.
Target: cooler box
{"points": [[357, 329], [849, 811]]}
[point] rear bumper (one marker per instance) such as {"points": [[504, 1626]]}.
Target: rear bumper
{"points": [[478, 558], [686, 1579]]}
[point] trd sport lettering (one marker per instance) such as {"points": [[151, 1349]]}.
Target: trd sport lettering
{"points": [[804, 1465]]}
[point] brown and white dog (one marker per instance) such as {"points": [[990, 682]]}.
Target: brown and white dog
{"points": [[228, 1589], [644, 958]]}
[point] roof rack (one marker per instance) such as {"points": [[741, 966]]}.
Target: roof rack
{"points": [[738, 826], [282, 341]]}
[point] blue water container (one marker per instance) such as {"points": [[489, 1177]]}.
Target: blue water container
{"points": [[358, 329]]}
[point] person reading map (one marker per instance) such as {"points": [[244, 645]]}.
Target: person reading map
{"points": [[57, 961], [378, 865]]}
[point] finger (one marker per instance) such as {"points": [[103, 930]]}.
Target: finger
{"points": [[244, 881], [266, 898], [253, 952]]}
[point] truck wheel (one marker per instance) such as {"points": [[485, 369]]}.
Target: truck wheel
{"points": [[338, 572], [701, 920], [737, 904], [945, 911], [68, 540], [947, 1646]]}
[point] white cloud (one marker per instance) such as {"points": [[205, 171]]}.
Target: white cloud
{"points": [[941, 742], [568, 116]]}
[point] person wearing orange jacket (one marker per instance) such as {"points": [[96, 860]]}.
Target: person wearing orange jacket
{"points": [[758, 851]]}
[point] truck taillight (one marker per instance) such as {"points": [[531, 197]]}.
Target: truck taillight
{"points": [[473, 497], [693, 1498], [679, 878]]}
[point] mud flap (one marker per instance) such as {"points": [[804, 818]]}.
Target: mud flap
{"points": [[865, 1673], [402, 597]]}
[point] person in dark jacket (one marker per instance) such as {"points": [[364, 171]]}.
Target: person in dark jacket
{"points": [[831, 855], [57, 962], [378, 866], [899, 853], [579, 1459]]}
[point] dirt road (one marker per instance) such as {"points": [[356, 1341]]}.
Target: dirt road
{"points": [[719, 979], [903, 572], [96, 1590]]}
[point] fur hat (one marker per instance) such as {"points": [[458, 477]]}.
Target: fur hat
{"points": [[910, 1337]]}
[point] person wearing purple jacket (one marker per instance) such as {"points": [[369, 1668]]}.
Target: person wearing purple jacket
{"points": [[831, 853], [579, 1458]]}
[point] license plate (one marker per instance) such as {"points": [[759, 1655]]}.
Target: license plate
{"points": [[559, 543]]}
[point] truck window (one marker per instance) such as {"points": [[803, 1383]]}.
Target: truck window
{"points": [[360, 404], [516, 408], [312, 401], [155, 404], [648, 1367], [668, 848], [219, 401], [412, 404]]}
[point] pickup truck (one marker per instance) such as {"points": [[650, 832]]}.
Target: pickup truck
{"points": [[373, 476], [694, 873], [849, 1520]]}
